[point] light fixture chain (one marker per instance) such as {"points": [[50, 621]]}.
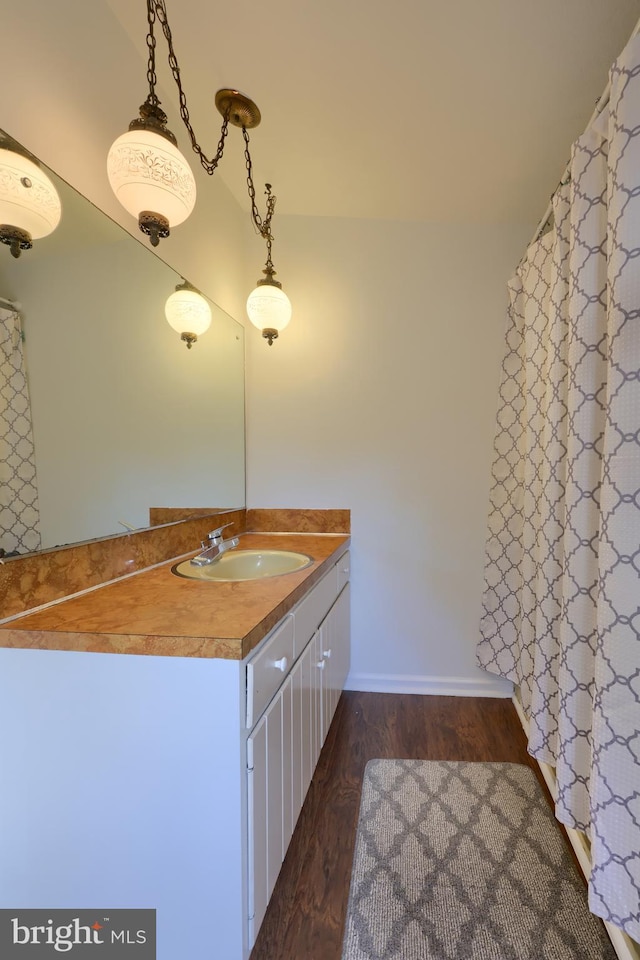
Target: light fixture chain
{"points": [[262, 226], [208, 164], [269, 263], [151, 46]]}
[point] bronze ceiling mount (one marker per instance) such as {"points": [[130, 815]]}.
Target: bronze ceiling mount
{"points": [[237, 109]]}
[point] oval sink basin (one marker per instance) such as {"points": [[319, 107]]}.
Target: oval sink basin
{"points": [[245, 565]]}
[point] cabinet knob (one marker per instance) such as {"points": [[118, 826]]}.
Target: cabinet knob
{"points": [[321, 664], [281, 664], [327, 654]]}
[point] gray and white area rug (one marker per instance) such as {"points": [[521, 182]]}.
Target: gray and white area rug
{"points": [[464, 860]]}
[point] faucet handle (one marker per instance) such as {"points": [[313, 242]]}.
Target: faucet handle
{"points": [[217, 533]]}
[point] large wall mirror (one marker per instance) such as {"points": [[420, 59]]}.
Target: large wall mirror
{"points": [[124, 416]]}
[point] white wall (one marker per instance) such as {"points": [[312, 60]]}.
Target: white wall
{"points": [[381, 397]]}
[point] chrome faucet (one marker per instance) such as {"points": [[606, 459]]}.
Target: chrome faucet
{"points": [[214, 546]]}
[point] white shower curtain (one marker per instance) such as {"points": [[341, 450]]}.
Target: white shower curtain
{"points": [[561, 609], [19, 511]]}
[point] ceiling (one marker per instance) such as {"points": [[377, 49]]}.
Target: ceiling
{"points": [[439, 110]]}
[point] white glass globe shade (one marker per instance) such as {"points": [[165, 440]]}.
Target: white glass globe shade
{"points": [[28, 198], [268, 307], [147, 172], [188, 312]]}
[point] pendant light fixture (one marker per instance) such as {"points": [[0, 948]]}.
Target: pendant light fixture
{"points": [[188, 313], [149, 175], [29, 203], [152, 179], [268, 306], [147, 172]]}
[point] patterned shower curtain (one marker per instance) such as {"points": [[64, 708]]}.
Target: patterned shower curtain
{"points": [[19, 512], [561, 608]]}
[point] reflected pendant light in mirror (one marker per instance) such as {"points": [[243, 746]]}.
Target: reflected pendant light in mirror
{"points": [[188, 313], [29, 203]]}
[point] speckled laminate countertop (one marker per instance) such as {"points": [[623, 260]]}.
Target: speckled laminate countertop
{"points": [[157, 613]]}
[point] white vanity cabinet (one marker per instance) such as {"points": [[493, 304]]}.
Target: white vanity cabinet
{"points": [[171, 783], [291, 700]]}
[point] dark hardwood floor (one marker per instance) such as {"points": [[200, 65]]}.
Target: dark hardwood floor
{"points": [[306, 915]]}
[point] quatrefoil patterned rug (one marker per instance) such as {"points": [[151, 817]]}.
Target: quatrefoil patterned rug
{"points": [[464, 860]]}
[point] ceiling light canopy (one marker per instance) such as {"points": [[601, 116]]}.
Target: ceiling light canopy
{"points": [[29, 202], [153, 181]]}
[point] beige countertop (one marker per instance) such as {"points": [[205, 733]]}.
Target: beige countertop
{"points": [[156, 613]]}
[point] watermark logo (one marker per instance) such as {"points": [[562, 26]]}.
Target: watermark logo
{"points": [[78, 934]]}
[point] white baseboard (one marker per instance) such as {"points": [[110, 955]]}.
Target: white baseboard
{"points": [[430, 686]]}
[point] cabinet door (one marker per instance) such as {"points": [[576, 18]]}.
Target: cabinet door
{"points": [[329, 674], [288, 726], [297, 741], [341, 634], [257, 834], [274, 792], [302, 733], [335, 652], [265, 809], [318, 667], [307, 718]]}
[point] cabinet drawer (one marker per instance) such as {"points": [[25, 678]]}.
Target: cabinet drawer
{"points": [[268, 669], [311, 611], [343, 567]]}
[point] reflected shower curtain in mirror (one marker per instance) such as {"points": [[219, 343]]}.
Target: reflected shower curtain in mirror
{"points": [[19, 513], [561, 608]]}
